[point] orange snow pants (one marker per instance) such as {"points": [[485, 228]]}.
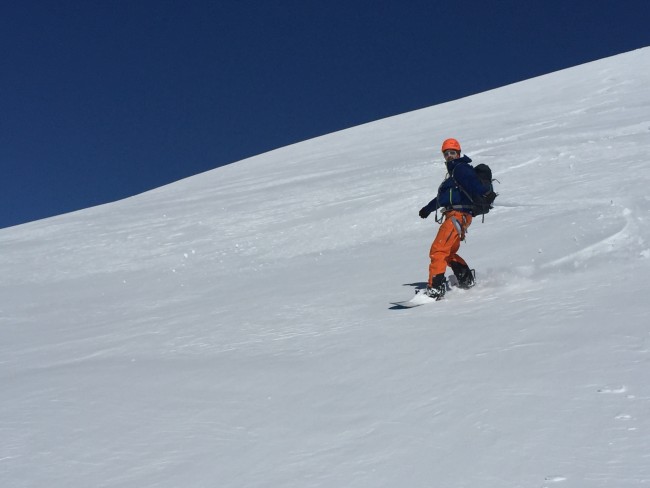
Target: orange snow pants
{"points": [[447, 242]]}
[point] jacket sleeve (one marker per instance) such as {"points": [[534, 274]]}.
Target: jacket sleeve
{"points": [[432, 206]]}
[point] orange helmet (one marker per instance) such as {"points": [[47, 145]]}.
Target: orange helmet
{"points": [[451, 144]]}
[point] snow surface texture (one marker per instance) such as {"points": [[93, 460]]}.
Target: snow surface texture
{"points": [[234, 329]]}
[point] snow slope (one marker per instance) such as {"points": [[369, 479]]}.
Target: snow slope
{"points": [[234, 329]]}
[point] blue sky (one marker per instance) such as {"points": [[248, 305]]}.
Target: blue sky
{"points": [[101, 100]]}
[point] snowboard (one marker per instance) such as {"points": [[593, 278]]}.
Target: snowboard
{"points": [[422, 298]]}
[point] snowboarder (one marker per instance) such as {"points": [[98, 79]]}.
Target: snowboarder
{"points": [[454, 199]]}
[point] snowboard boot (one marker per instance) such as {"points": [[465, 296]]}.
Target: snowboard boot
{"points": [[465, 276], [438, 287]]}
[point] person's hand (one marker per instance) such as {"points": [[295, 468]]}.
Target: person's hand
{"points": [[424, 212]]}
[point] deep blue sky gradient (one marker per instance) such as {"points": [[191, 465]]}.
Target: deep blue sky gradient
{"points": [[101, 100]]}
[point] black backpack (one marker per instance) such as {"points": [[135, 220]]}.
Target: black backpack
{"points": [[483, 203]]}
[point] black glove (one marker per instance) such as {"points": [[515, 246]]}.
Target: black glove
{"points": [[424, 212]]}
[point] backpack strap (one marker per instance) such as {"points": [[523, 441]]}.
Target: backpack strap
{"points": [[461, 187]]}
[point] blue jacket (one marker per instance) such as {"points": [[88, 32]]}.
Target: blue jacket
{"points": [[453, 191]]}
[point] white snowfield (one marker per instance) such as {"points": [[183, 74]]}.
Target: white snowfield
{"points": [[234, 329]]}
